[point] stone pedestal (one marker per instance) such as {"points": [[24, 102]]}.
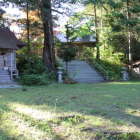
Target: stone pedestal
{"points": [[60, 75], [124, 74]]}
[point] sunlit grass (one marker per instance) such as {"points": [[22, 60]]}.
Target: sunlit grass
{"points": [[31, 111], [36, 113], [19, 128]]}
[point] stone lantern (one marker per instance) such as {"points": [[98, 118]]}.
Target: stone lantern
{"points": [[60, 75], [124, 74]]}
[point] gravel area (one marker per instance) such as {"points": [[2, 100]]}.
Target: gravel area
{"points": [[9, 85]]}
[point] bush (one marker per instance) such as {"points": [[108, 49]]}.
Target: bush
{"points": [[86, 52], [114, 69], [33, 66], [52, 75], [34, 80], [33, 72]]}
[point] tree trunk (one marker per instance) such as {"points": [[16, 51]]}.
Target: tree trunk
{"points": [[129, 38], [66, 68], [28, 32], [48, 50], [96, 33]]}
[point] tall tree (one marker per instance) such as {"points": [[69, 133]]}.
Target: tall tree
{"points": [[129, 36], [45, 7], [48, 50], [46, 15], [92, 20], [119, 24], [126, 21]]}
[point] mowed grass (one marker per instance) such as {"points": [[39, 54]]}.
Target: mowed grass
{"points": [[63, 112]]}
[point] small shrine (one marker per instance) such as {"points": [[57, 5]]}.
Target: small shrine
{"points": [[9, 44]]}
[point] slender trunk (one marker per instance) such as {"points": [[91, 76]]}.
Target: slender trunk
{"points": [[48, 50], [96, 33], [102, 24], [129, 38], [66, 68], [28, 33]]}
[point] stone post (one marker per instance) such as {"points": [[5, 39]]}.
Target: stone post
{"points": [[124, 74], [60, 75]]}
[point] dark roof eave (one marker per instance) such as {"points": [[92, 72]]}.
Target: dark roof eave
{"points": [[7, 49], [86, 42], [81, 42], [21, 46]]}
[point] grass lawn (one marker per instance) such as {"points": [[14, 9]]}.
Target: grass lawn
{"points": [[71, 112]]}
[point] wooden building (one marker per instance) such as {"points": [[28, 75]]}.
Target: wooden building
{"points": [[9, 44], [86, 41]]}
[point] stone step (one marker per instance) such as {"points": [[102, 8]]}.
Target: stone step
{"points": [[5, 81], [4, 76], [86, 76], [82, 72], [4, 73]]}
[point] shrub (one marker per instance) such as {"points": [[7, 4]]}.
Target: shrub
{"points": [[52, 75], [34, 80], [33, 66], [114, 69], [86, 52]]}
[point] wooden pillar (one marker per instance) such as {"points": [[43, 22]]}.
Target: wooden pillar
{"points": [[139, 68], [15, 63], [11, 67]]}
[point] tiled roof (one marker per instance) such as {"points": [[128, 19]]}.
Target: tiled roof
{"points": [[8, 40], [87, 38]]}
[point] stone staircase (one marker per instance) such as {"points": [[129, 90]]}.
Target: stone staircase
{"points": [[4, 76], [82, 72]]}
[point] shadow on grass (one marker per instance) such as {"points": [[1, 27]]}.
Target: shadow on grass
{"points": [[97, 100], [4, 134]]}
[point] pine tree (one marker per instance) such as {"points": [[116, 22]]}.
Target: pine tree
{"points": [[68, 50]]}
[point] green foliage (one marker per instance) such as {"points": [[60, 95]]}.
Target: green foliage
{"points": [[123, 136], [33, 72], [135, 9], [3, 20], [68, 52], [86, 52], [34, 80], [1, 12], [110, 55], [34, 65], [116, 20], [113, 68], [128, 136], [111, 61], [58, 63], [52, 75]]}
